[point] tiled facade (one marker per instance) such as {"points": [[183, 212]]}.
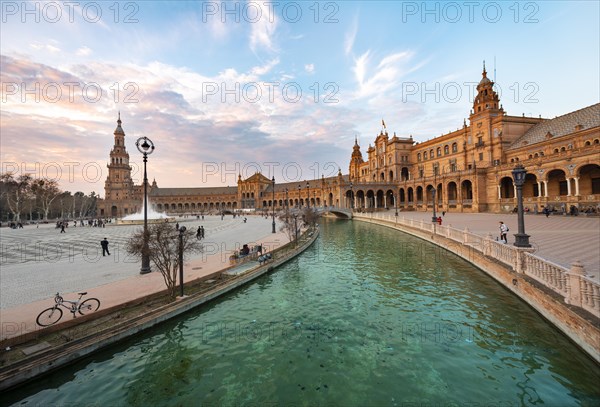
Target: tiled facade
{"points": [[469, 168]]}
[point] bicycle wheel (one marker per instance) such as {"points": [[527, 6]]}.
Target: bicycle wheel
{"points": [[49, 316], [89, 305]]}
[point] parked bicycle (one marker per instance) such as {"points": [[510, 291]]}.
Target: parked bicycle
{"points": [[53, 314]]}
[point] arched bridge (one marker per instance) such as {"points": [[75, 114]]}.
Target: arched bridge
{"points": [[339, 212]]}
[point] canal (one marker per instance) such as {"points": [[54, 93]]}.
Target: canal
{"points": [[366, 317]]}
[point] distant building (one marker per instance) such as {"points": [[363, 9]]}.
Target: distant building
{"points": [[470, 169]]}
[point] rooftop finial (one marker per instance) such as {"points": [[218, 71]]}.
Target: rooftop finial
{"points": [[484, 71], [119, 119]]}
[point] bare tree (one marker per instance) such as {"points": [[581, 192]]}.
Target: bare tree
{"points": [[46, 191], [16, 192], [163, 245]]}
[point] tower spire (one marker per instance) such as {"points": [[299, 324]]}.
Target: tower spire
{"points": [[484, 71]]}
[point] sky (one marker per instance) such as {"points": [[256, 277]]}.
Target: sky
{"points": [[230, 88]]}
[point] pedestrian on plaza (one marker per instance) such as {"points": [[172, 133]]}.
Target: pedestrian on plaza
{"points": [[503, 231], [443, 213], [62, 228], [104, 244], [177, 226], [199, 233], [439, 220], [546, 211]]}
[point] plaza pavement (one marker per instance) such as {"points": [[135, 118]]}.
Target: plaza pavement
{"points": [[38, 262], [558, 238]]}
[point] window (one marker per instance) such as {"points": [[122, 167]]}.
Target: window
{"points": [[431, 153], [446, 149], [424, 155], [439, 151], [454, 147], [419, 157], [480, 156]]}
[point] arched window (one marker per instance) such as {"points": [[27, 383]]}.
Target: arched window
{"points": [[454, 147], [439, 151], [424, 155], [446, 149], [419, 157]]}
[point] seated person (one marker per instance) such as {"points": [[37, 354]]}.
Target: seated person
{"points": [[245, 250]]}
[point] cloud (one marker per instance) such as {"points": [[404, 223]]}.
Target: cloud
{"points": [[385, 76], [310, 68], [170, 105], [351, 36], [45, 47], [262, 32], [84, 51]]}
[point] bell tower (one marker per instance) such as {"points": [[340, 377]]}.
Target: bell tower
{"points": [[487, 99], [355, 161], [118, 185]]}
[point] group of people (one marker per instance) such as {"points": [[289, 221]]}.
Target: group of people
{"points": [[200, 233]]}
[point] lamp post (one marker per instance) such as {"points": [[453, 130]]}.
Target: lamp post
{"points": [[308, 194], [396, 205], [434, 217], [181, 232], [299, 204], [287, 206], [521, 239], [296, 226], [351, 197], [146, 147], [273, 181]]}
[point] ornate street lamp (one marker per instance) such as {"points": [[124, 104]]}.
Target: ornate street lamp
{"points": [[434, 217], [308, 194], [396, 205], [146, 147], [351, 197], [287, 206], [518, 173], [273, 181], [299, 204], [181, 232]]}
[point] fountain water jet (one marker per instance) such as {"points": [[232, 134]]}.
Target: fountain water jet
{"points": [[138, 218]]}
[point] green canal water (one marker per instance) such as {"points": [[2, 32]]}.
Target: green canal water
{"points": [[366, 317]]}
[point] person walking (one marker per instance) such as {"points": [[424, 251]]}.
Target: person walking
{"points": [[104, 244], [503, 231], [62, 227], [199, 233]]}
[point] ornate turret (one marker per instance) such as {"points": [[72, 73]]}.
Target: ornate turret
{"points": [[355, 161], [486, 99], [118, 185]]}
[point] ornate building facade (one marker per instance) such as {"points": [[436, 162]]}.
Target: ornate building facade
{"points": [[470, 170], [471, 167]]}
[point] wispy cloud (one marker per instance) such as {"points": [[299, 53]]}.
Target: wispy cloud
{"points": [[262, 32], [84, 51], [384, 76], [309, 68], [351, 36]]}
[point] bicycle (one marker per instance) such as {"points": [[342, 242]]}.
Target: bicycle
{"points": [[53, 314]]}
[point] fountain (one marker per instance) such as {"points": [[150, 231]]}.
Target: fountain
{"points": [[138, 218]]}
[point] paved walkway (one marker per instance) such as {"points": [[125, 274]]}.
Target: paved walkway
{"points": [[39, 262], [559, 239]]}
